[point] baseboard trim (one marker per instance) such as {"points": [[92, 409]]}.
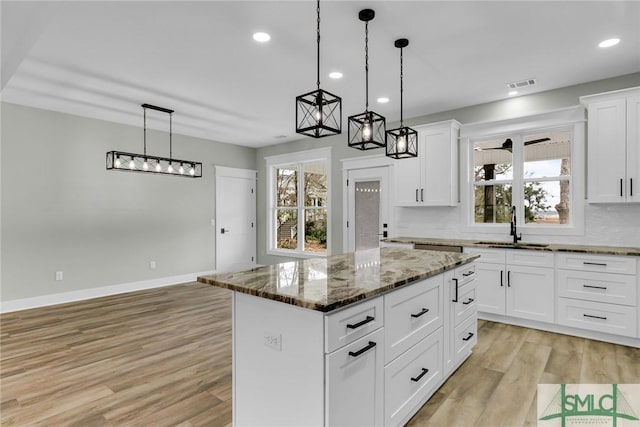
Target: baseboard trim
{"points": [[85, 294], [561, 329]]}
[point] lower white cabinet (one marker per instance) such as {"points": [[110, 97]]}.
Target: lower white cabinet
{"points": [[354, 388], [411, 378], [598, 316], [516, 283]]}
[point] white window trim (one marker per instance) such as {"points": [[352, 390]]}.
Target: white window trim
{"points": [[572, 118], [307, 156]]}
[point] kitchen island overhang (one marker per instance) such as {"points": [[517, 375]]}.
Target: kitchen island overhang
{"points": [[315, 339]]}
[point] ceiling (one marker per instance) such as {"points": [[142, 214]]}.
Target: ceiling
{"points": [[104, 59]]}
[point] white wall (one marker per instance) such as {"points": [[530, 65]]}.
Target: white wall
{"points": [[605, 225], [62, 211]]}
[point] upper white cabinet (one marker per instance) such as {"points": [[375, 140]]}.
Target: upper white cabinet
{"points": [[613, 146], [431, 179]]}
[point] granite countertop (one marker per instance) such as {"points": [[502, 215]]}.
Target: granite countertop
{"points": [[478, 243], [325, 284]]}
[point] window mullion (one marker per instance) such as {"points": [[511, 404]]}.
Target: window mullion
{"points": [[301, 197], [517, 191]]}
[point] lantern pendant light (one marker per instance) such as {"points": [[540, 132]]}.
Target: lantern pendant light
{"points": [[318, 113], [402, 142], [366, 130]]}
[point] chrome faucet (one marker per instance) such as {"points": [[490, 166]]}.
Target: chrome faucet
{"points": [[514, 231]]}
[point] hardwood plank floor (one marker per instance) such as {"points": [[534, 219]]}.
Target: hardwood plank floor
{"points": [[162, 357]]}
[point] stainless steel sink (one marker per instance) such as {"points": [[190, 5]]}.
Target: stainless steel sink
{"points": [[513, 245]]}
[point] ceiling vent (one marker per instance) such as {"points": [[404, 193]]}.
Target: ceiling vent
{"points": [[523, 83]]}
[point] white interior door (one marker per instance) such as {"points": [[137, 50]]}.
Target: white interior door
{"points": [[368, 207], [235, 219]]}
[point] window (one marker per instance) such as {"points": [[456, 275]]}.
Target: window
{"points": [[299, 203], [530, 171]]}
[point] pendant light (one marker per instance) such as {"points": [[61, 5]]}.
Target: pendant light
{"points": [[366, 130], [130, 162], [402, 142], [318, 113]]}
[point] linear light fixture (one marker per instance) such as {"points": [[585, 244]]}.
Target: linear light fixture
{"points": [[366, 130], [318, 113], [402, 142], [131, 162]]}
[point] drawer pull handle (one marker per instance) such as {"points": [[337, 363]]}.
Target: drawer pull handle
{"points": [[424, 311], [600, 264], [595, 287], [468, 302], [509, 278], [594, 317], [501, 278], [468, 337], [416, 194], [422, 374], [363, 349], [364, 322], [469, 273], [456, 298]]}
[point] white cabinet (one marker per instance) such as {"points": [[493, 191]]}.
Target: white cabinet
{"points": [[517, 283], [598, 293], [613, 146], [462, 312], [431, 179], [354, 389]]}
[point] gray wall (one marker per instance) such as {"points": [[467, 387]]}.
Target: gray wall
{"points": [[448, 217], [62, 211]]}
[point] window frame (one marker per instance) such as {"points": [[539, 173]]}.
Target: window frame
{"points": [[569, 119], [297, 159]]}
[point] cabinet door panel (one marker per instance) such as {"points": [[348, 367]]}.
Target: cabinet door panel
{"points": [[607, 151], [490, 285], [406, 182], [633, 148], [530, 293], [354, 388], [439, 175]]}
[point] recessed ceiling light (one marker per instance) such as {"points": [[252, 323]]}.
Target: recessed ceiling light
{"points": [[608, 42], [261, 37], [513, 93], [335, 75], [383, 100]]}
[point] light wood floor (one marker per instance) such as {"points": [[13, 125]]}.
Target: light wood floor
{"points": [[163, 357]]}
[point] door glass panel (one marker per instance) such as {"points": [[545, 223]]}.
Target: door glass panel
{"points": [[315, 230], [367, 215]]}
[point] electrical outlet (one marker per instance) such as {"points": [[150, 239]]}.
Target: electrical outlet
{"points": [[273, 340], [152, 265], [59, 275]]}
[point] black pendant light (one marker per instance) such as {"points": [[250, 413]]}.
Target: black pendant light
{"points": [[366, 130], [131, 162], [402, 142], [318, 113]]}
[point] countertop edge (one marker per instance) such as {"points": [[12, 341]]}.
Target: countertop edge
{"points": [[327, 308]]}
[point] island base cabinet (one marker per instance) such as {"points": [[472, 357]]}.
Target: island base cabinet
{"points": [[354, 390], [273, 343], [465, 338], [412, 378]]}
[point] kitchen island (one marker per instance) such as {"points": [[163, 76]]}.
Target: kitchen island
{"points": [[356, 339]]}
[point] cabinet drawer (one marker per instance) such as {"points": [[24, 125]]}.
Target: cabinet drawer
{"points": [[466, 305], [598, 287], [352, 323], [354, 389], [533, 258], [492, 256], [411, 377], [465, 337], [411, 314], [598, 263], [597, 316]]}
